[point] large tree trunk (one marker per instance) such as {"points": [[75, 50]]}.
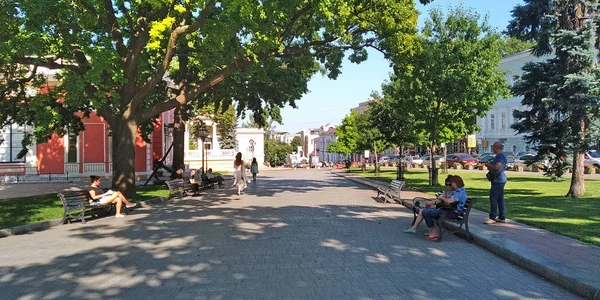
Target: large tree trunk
{"points": [[577, 188], [178, 144], [124, 133]]}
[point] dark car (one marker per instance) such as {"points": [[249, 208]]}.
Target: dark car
{"points": [[461, 158], [486, 159]]}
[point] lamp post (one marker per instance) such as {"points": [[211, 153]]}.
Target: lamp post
{"points": [[202, 134]]}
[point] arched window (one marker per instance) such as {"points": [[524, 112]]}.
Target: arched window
{"points": [[514, 148]]}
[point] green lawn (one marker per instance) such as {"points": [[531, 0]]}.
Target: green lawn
{"points": [[530, 199], [25, 210]]}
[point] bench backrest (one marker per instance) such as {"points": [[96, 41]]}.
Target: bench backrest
{"points": [[396, 184], [175, 184], [467, 208], [73, 199]]}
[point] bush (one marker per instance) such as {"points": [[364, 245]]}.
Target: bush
{"points": [[457, 166], [518, 168], [589, 170]]}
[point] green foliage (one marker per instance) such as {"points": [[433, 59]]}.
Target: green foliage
{"points": [[276, 152], [357, 134], [439, 90], [112, 57], [512, 45], [296, 141]]}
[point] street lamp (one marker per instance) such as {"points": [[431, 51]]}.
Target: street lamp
{"points": [[203, 134]]}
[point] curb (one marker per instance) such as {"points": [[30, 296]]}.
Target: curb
{"points": [[522, 256], [44, 225]]}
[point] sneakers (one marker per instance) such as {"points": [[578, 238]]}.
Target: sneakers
{"points": [[132, 205], [489, 221], [501, 220]]}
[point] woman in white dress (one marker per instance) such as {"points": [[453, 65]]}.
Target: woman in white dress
{"points": [[239, 173]]}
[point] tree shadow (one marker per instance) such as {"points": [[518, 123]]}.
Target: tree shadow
{"points": [[209, 248]]}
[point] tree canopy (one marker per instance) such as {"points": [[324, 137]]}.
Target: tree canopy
{"points": [[451, 79], [113, 56]]}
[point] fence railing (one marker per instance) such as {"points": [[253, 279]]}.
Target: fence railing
{"points": [[48, 177], [210, 154]]}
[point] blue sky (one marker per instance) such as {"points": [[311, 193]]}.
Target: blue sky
{"points": [[330, 100]]}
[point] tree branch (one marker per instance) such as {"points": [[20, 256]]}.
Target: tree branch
{"points": [[160, 71], [49, 62], [113, 28]]}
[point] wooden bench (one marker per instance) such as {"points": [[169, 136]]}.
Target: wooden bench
{"points": [[391, 192], [206, 183], [76, 204], [177, 188], [460, 220]]}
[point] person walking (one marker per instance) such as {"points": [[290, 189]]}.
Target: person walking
{"points": [[239, 173], [498, 180], [254, 168]]}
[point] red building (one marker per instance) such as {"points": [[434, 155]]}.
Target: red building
{"points": [[89, 152]]}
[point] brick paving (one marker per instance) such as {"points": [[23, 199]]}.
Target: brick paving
{"points": [[291, 235]]}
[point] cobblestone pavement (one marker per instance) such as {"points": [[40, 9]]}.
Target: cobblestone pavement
{"points": [[291, 235]]}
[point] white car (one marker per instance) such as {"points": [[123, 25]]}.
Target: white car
{"points": [[593, 158], [415, 159], [438, 159]]}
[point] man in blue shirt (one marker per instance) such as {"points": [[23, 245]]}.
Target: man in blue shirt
{"points": [[497, 167]]}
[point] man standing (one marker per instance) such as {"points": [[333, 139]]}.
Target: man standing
{"points": [[496, 167]]}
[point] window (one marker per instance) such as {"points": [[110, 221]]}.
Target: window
{"points": [[503, 120], [72, 150], [10, 143], [515, 120], [492, 121]]}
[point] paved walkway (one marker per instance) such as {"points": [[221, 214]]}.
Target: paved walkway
{"points": [[561, 259], [291, 235]]}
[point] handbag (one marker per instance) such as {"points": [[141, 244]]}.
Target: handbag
{"points": [[491, 175]]}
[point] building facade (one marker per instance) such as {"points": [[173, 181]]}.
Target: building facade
{"points": [[495, 126]]}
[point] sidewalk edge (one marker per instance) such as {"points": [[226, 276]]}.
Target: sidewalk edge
{"points": [[550, 273], [45, 225]]}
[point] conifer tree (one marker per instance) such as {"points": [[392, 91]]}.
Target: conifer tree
{"points": [[561, 93]]}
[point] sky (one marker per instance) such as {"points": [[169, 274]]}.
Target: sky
{"points": [[328, 101]]}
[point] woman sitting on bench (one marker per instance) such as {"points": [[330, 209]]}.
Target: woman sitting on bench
{"points": [[458, 197], [109, 197]]}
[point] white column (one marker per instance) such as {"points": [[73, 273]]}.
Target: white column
{"points": [[186, 138], [215, 140]]}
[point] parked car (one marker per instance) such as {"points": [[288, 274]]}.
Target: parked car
{"points": [[383, 159], [427, 160], [461, 158], [524, 153], [593, 158], [486, 159], [415, 159], [525, 159]]}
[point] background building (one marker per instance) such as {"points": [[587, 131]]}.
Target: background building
{"points": [[495, 126]]}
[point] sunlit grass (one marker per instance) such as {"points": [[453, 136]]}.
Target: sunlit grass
{"points": [[530, 199], [32, 209]]}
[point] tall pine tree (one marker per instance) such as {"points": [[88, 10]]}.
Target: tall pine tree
{"points": [[562, 93]]}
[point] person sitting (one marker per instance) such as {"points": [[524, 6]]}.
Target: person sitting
{"points": [[218, 179], [445, 193], [110, 197], [195, 183], [457, 197]]}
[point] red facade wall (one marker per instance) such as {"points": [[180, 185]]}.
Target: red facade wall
{"points": [[51, 156], [94, 143], [156, 148], [140, 154]]}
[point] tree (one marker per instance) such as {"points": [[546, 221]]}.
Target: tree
{"points": [[295, 143], [513, 45], [562, 92], [356, 135], [276, 152], [450, 80], [113, 56]]}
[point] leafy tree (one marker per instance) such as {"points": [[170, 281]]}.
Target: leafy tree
{"points": [[513, 45], [295, 143], [451, 80], [113, 56], [561, 93], [356, 135], [276, 152]]}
